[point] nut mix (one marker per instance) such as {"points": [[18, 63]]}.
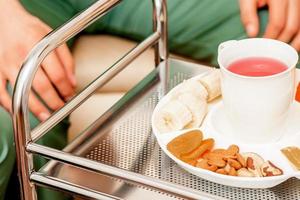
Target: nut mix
{"points": [[192, 149]]}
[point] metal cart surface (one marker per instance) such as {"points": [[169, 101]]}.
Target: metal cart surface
{"points": [[117, 156]]}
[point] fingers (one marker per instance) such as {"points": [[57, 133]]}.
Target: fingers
{"points": [[58, 75], [292, 23], [277, 18], [46, 91], [5, 98], [35, 105], [296, 42], [37, 108], [249, 17], [66, 59]]}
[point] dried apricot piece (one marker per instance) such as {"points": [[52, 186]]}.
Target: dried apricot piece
{"points": [[205, 145], [185, 143]]}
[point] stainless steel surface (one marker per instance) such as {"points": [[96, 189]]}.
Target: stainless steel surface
{"points": [[113, 171], [49, 181], [127, 142]]}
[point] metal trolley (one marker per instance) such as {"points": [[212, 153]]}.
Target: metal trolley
{"points": [[117, 156]]}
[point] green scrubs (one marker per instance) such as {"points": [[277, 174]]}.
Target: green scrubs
{"points": [[195, 30]]}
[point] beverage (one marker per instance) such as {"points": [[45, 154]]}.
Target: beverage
{"points": [[257, 103], [257, 66]]}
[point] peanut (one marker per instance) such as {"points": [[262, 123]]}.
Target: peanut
{"points": [[229, 157], [235, 164], [219, 162], [202, 163], [221, 171], [233, 149]]}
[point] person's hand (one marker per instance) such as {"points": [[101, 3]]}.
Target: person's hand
{"points": [[283, 23], [54, 83]]}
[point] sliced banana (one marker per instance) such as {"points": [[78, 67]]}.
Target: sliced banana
{"points": [[212, 83], [173, 116], [197, 106], [193, 87]]}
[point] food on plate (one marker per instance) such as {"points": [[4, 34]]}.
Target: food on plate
{"points": [[205, 145], [269, 169], [193, 87], [253, 163], [173, 116], [185, 143], [221, 171], [212, 83], [293, 155], [192, 149], [203, 163], [241, 160], [197, 107], [298, 93], [244, 172], [187, 106]]}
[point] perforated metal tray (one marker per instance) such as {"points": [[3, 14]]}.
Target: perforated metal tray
{"points": [[127, 142]]}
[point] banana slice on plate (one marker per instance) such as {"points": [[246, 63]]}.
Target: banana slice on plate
{"points": [[197, 106], [212, 83], [191, 86], [173, 116]]}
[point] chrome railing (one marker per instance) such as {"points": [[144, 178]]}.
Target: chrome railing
{"points": [[25, 138]]}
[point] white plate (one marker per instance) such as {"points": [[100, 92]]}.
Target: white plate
{"points": [[216, 126]]}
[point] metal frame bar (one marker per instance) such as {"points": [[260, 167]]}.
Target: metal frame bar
{"points": [[24, 137], [118, 173]]}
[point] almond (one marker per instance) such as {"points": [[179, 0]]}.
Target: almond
{"points": [[241, 160], [232, 172]]}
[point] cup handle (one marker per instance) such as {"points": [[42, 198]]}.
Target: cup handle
{"points": [[226, 44]]}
